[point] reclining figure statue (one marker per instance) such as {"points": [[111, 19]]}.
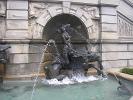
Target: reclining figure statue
{"points": [[71, 59]]}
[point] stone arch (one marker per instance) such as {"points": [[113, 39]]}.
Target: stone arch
{"points": [[50, 30], [47, 14]]}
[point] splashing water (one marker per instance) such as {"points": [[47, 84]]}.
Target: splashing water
{"points": [[74, 79], [78, 78], [81, 78]]}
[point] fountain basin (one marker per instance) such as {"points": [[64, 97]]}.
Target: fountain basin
{"points": [[117, 72], [93, 90]]}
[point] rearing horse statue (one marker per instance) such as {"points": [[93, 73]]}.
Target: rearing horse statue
{"points": [[72, 59]]}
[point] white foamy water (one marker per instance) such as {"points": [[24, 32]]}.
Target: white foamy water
{"points": [[73, 80]]}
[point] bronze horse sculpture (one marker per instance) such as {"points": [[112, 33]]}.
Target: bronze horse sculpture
{"points": [[71, 59]]}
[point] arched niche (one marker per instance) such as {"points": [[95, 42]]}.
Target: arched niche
{"points": [[50, 29], [78, 38]]}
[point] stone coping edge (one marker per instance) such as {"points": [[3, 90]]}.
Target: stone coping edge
{"points": [[117, 72], [91, 71], [23, 77]]}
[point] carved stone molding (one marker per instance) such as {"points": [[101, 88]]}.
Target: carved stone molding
{"points": [[92, 11], [35, 9], [41, 13], [2, 9], [125, 27]]}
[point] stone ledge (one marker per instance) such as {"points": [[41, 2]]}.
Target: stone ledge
{"points": [[91, 2], [104, 41], [23, 77], [90, 71], [117, 72]]}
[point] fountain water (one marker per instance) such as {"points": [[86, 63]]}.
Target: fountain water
{"points": [[37, 75], [74, 79], [69, 68]]}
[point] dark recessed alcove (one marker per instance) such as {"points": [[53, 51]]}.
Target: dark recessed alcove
{"points": [[50, 30]]}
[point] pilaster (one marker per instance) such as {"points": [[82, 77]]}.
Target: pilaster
{"points": [[17, 19]]}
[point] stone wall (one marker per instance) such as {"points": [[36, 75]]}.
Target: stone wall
{"points": [[2, 18], [22, 23], [14, 31], [117, 55], [119, 52], [17, 20], [109, 23]]}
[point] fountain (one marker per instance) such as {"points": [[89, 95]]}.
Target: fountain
{"points": [[67, 68], [71, 61]]}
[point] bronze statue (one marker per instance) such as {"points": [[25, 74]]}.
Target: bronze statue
{"points": [[72, 59]]}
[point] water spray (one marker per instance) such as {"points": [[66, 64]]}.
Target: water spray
{"points": [[116, 77], [39, 68]]}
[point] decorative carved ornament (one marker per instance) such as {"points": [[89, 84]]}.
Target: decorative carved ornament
{"points": [[2, 9], [36, 9], [92, 11], [125, 27]]}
